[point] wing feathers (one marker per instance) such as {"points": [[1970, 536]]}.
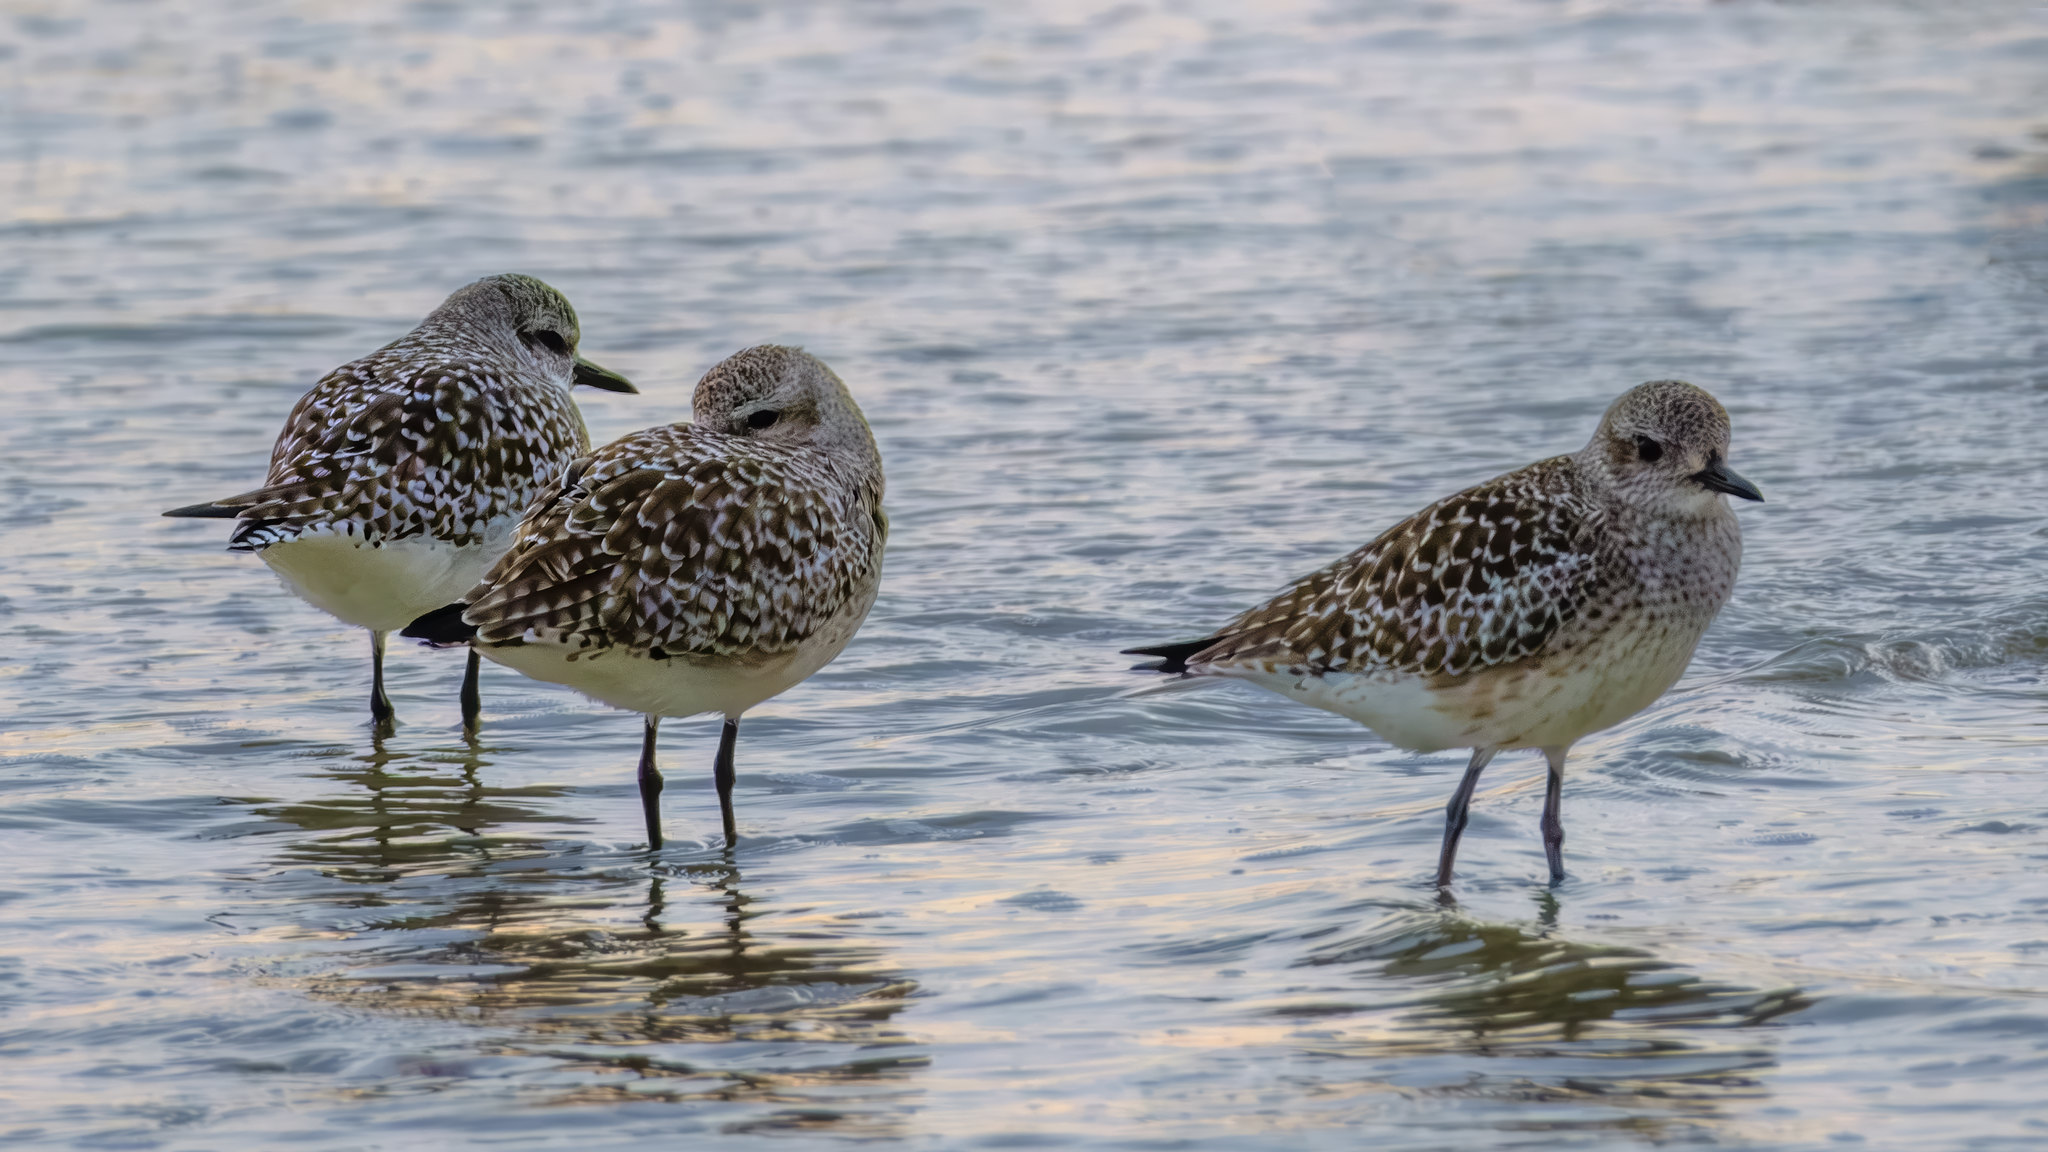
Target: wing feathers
{"points": [[682, 540], [1485, 577], [416, 438]]}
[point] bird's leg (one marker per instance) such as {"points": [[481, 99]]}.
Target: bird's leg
{"points": [[472, 695], [1553, 819], [650, 784], [722, 775], [380, 704], [1458, 813]]}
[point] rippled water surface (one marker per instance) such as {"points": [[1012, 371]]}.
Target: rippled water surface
{"points": [[1153, 306]]}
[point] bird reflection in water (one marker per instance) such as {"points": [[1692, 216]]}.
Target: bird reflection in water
{"points": [[1519, 1014], [600, 978]]}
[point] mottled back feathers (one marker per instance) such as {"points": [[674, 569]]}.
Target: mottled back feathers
{"points": [[683, 540], [1526, 565], [450, 428], [1482, 578], [412, 440]]}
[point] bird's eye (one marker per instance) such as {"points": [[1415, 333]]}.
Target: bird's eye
{"points": [[762, 419], [1649, 449], [549, 339]]}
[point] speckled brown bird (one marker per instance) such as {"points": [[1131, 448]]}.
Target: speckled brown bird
{"points": [[398, 479], [694, 568], [1526, 612]]}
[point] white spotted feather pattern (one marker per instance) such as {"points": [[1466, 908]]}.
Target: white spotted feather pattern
{"points": [[1485, 577], [682, 540], [420, 438], [1526, 612]]}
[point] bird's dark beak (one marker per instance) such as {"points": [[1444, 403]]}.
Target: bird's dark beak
{"points": [[1721, 478], [591, 376]]}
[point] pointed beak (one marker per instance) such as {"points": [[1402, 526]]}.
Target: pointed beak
{"points": [[591, 376], [1721, 478]]}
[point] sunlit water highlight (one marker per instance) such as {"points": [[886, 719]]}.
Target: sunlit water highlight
{"points": [[1152, 307]]}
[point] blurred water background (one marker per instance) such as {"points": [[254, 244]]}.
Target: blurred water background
{"points": [[1153, 305]]}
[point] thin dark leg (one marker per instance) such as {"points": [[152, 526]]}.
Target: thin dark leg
{"points": [[472, 694], [380, 705], [1458, 812], [722, 775], [650, 784], [1553, 818]]}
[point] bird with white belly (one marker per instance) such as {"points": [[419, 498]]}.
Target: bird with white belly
{"points": [[694, 568], [1527, 612], [397, 480]]}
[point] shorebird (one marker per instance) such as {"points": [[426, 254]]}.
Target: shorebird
{"points": [[695, 568], [1525, 612], [397, 480]]}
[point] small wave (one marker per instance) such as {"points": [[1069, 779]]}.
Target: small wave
{"points": [[2015, 636]]}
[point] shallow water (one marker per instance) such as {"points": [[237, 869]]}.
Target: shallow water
{"points": [[1152, 307]]}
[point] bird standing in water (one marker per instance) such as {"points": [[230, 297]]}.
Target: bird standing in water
{"points": [[694, 568], [398, 479], [1526, 612]]}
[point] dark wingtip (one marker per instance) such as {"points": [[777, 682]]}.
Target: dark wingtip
{"points": [[1173, 657], [206, 511], [442, 627]]}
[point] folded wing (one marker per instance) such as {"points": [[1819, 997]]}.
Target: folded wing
{"points": [[387, 448], [681, 541], [1483, 578]]}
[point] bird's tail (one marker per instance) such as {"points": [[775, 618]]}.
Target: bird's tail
{"points": [[444, 627], [1174, 657], [251, 531]]}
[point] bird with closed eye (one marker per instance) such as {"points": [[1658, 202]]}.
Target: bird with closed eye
{"points": [[695, 568]]}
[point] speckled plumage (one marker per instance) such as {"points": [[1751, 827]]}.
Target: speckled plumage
{"points": [[454, 425], [397, 479], [699, 567], [421, 437], [682, 540], [1482, 578], [1527, 611]]}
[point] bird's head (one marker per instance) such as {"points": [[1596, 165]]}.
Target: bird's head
{"points": [[780, 395], [1663, 447], [525, 318]]}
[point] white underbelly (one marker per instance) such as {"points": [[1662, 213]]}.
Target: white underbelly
{"points": [[1402, 711], [1535, 704], [383, 586], [677, 686], [681, 685]]}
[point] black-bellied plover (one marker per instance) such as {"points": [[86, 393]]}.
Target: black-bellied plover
{"points": [[1526, 612], [398, 479], [699, 567]]}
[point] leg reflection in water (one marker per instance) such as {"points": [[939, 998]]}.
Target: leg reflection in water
{"points": [[1437, 1000], [403, 811], [598, 977]]}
